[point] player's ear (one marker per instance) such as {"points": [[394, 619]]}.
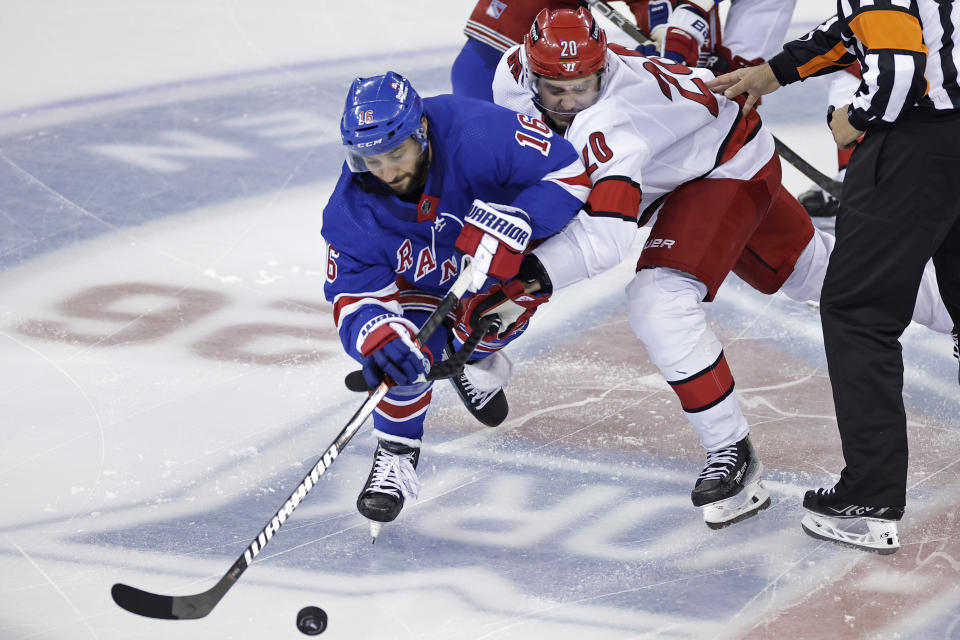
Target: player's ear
{"points": [[423, 121]]}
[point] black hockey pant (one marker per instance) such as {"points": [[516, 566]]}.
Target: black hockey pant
{"points": [[900, 207]]}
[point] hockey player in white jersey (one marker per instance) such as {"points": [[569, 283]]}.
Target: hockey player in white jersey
{"points": [[753, 31], [661, 149]]}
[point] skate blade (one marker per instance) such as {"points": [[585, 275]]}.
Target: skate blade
{"points": [[750, 502], [375, 528], [882, 536]]}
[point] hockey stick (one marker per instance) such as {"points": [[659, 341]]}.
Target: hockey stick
{"points": [[198, 605], [448, 368], [620, 20], [828, 184]]}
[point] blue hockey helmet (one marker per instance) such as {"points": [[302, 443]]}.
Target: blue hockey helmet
{"points": [[381, 112]]}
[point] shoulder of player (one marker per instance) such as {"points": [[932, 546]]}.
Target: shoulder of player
{"points": [[610, 115], [471, 127], [350, 213], [517, 50], [454, 116]]}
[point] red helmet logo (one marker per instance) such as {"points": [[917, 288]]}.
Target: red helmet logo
{"points": [[565, 44]]}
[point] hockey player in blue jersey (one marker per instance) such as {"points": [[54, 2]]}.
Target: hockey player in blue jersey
{"points": [[425, 181]]}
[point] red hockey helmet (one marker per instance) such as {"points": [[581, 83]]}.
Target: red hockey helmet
{"points": [[565, 44]]}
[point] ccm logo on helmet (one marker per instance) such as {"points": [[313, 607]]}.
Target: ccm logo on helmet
{"points": [[372, 143]]}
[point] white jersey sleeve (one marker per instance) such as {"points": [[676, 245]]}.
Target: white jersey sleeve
{"points": [[601, 235]]}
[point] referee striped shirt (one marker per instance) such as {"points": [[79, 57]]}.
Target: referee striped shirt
{"points": [[909, 53]]}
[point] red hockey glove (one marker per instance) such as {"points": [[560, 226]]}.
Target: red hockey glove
{"points": [[507, 300], [680, 46], [687, 30], [652, 16], [495, 235]]}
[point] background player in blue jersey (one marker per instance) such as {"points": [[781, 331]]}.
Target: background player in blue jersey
{"points": [[425, 181]]}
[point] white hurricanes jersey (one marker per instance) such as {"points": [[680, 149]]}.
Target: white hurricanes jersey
{"points": [[654, 127]]}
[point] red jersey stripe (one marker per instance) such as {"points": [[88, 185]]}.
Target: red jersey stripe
{"points": [[705, 389], [615, 197]]}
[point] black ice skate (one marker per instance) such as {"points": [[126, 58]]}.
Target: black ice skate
{"points": [[392, 480], [488, 405], [729, 487], [867, 528]]}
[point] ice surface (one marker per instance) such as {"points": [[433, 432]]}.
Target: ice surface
{"points": [[170, 371]]}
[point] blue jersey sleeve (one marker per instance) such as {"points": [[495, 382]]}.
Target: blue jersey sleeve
{"points": [[515, 154], [359, 283]]}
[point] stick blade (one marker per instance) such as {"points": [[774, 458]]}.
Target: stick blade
{"points": [[152, 605]]}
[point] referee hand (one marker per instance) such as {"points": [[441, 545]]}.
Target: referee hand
{"points": [[844, 133], [754, 81]]}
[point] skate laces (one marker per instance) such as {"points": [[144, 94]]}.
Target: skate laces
{"points": [[719, 463], [394, 474], [478, 398]]}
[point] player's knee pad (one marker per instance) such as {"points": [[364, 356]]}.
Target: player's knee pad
{"points": [[665, 313], [806, 281]]}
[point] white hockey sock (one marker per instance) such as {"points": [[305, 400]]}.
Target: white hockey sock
{"points": [[665, 313]]}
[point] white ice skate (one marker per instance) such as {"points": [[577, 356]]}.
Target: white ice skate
{"points": [[879, 535], [834, 519]]}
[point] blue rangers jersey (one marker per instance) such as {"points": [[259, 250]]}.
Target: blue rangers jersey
{"points": [[376, 239]]}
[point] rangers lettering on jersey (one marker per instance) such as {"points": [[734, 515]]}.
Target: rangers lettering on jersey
{"points": [[426, 263], [404, 256]]}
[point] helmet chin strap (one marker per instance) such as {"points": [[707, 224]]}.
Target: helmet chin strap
{"points": [[539, 105], [535, 90], [551, 114]]}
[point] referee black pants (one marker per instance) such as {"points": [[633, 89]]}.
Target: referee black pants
{"points": [[900, 207]]}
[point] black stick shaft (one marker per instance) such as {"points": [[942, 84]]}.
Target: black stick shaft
{"points": [[620, 20], [828, 184]]}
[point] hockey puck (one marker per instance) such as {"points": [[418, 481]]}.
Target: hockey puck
{"points": [[312, 621]]}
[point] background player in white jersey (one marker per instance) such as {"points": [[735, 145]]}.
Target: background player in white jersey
{"points": [[660, 148], [753, 31]]}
